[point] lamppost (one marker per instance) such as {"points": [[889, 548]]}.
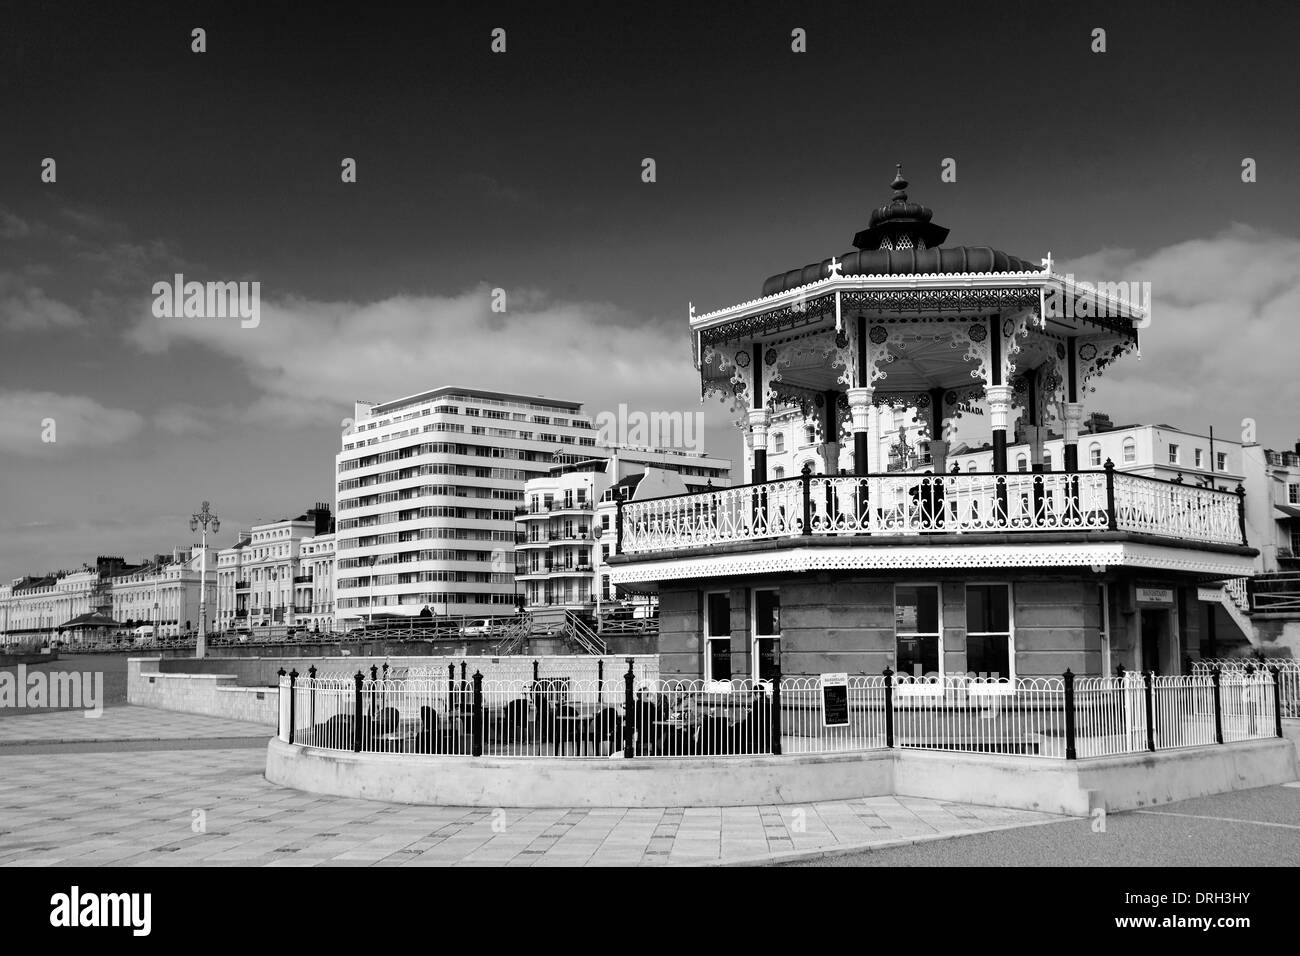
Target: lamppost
{"points": [[203, 519]]}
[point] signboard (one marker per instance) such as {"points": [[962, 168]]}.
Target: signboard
{"points": [[835, 700], [1155, 595]]}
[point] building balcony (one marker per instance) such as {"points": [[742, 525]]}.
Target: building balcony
{"points": [[241, 586], [995, 513], [575, 506], [241, 612], [303, 579]]}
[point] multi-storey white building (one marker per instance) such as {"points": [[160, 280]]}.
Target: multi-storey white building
{"points": [[164, 593], [314, 590], [566, 531], [35, 607], [262, 581], [427, 488]]}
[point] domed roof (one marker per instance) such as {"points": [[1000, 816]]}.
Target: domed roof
{"points": [[901, 239]]}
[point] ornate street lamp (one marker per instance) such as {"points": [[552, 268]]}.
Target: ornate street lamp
{"points": [[203, 519]]}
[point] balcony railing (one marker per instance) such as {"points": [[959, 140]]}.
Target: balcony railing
{"points": [[901, 505]]}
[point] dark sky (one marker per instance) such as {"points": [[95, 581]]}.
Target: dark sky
{"points": [[522, 171]]}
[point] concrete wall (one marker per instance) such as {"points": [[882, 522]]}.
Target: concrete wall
{"points": [[216, 695], [1056, 786]]}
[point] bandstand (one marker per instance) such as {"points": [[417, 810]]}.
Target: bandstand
{"points": [[928, 572]]}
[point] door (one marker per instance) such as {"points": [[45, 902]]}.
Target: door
{"points": [[1155, 631]]}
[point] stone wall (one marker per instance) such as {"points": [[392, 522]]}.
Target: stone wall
{"points": [[215, 695]]}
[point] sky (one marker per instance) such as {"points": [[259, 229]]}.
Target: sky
{"points": [[522, 171]]}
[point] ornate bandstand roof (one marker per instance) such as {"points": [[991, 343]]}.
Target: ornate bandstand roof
{"points": [[901, 240], [912, 319]]}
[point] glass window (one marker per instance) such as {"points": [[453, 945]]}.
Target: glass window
{"points": [[971, 467], [717, 634], [778, 473], [1222, 461], [1047, 461], [1022, 463], [1173, 454], [917, 631], [1130, 451], [1200, 458], [778, 442], [988, 630], [1293, 494], [810, 433], [1094, 455], [767, 613]]}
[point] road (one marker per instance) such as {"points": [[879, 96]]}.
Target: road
{"points": [[1249, 828]]}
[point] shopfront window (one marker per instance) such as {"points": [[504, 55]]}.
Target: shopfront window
{"points": [[917, 631], [989, 635], [717, 636]]}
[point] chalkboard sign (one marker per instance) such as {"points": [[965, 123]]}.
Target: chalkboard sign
{"points": [[835, 700]]}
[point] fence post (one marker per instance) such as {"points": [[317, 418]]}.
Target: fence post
{"points": [[356, 720], [889, 707], [280, 730], [807, 497], [451, 688], [1241, 511], [600, 682], [1148, 678], [536, 671], [629, 709], [1112, 521], [1277, 701], [311, 672], [293, 682], [1067, 680], [477, 747], [618, 526], [776, 713], [1218, 705]]}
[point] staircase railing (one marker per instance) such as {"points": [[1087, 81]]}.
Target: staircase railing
{"points": [[581, 633]]}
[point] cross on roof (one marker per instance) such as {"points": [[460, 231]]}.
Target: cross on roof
{"points": [[834, 268]]}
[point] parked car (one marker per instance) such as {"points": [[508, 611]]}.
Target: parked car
{"points": [[479, 627]]}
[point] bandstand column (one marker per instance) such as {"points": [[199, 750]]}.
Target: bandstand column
{"points": [[860, 409], [759, 421], [999, 402], [831, 432], [938, 447], [1073, 416]]}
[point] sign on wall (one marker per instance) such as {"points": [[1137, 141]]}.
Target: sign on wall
{"points": [[1155, 595], [835, 700]]}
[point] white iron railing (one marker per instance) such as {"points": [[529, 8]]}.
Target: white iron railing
{"points": [[911, 504]]}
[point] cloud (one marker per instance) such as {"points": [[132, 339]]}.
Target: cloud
{"points": [[313, 359], [25, 307], [11, 227], [1222, 339], [78, 422]]}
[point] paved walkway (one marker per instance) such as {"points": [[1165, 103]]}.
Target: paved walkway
{"points": [[111, 803], [121, 723]]}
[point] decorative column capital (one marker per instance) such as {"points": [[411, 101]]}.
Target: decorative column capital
{"points": [[759, 421], [860, 407], [999, 400], [1073, 416]]}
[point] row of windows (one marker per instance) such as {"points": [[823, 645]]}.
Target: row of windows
{"points": [[426, 534], [918, 631], [418, 577], [406, 557], [425, 491], [419, 471], [427, 598]]}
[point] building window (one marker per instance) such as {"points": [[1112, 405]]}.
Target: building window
{"points": [[917, 632], [767, 634], [1173, 454], [1130, 451], [989, 644], [778, 443], [810, 434], [1293, 494], [810, 466], [1200, 457], [778, 473], [1094, 455], [717, 636], [1022, 463], [1222, 461], [1047, 461], [971, 467]]}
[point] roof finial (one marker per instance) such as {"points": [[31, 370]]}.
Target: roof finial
{"points": [[899, 184]]}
